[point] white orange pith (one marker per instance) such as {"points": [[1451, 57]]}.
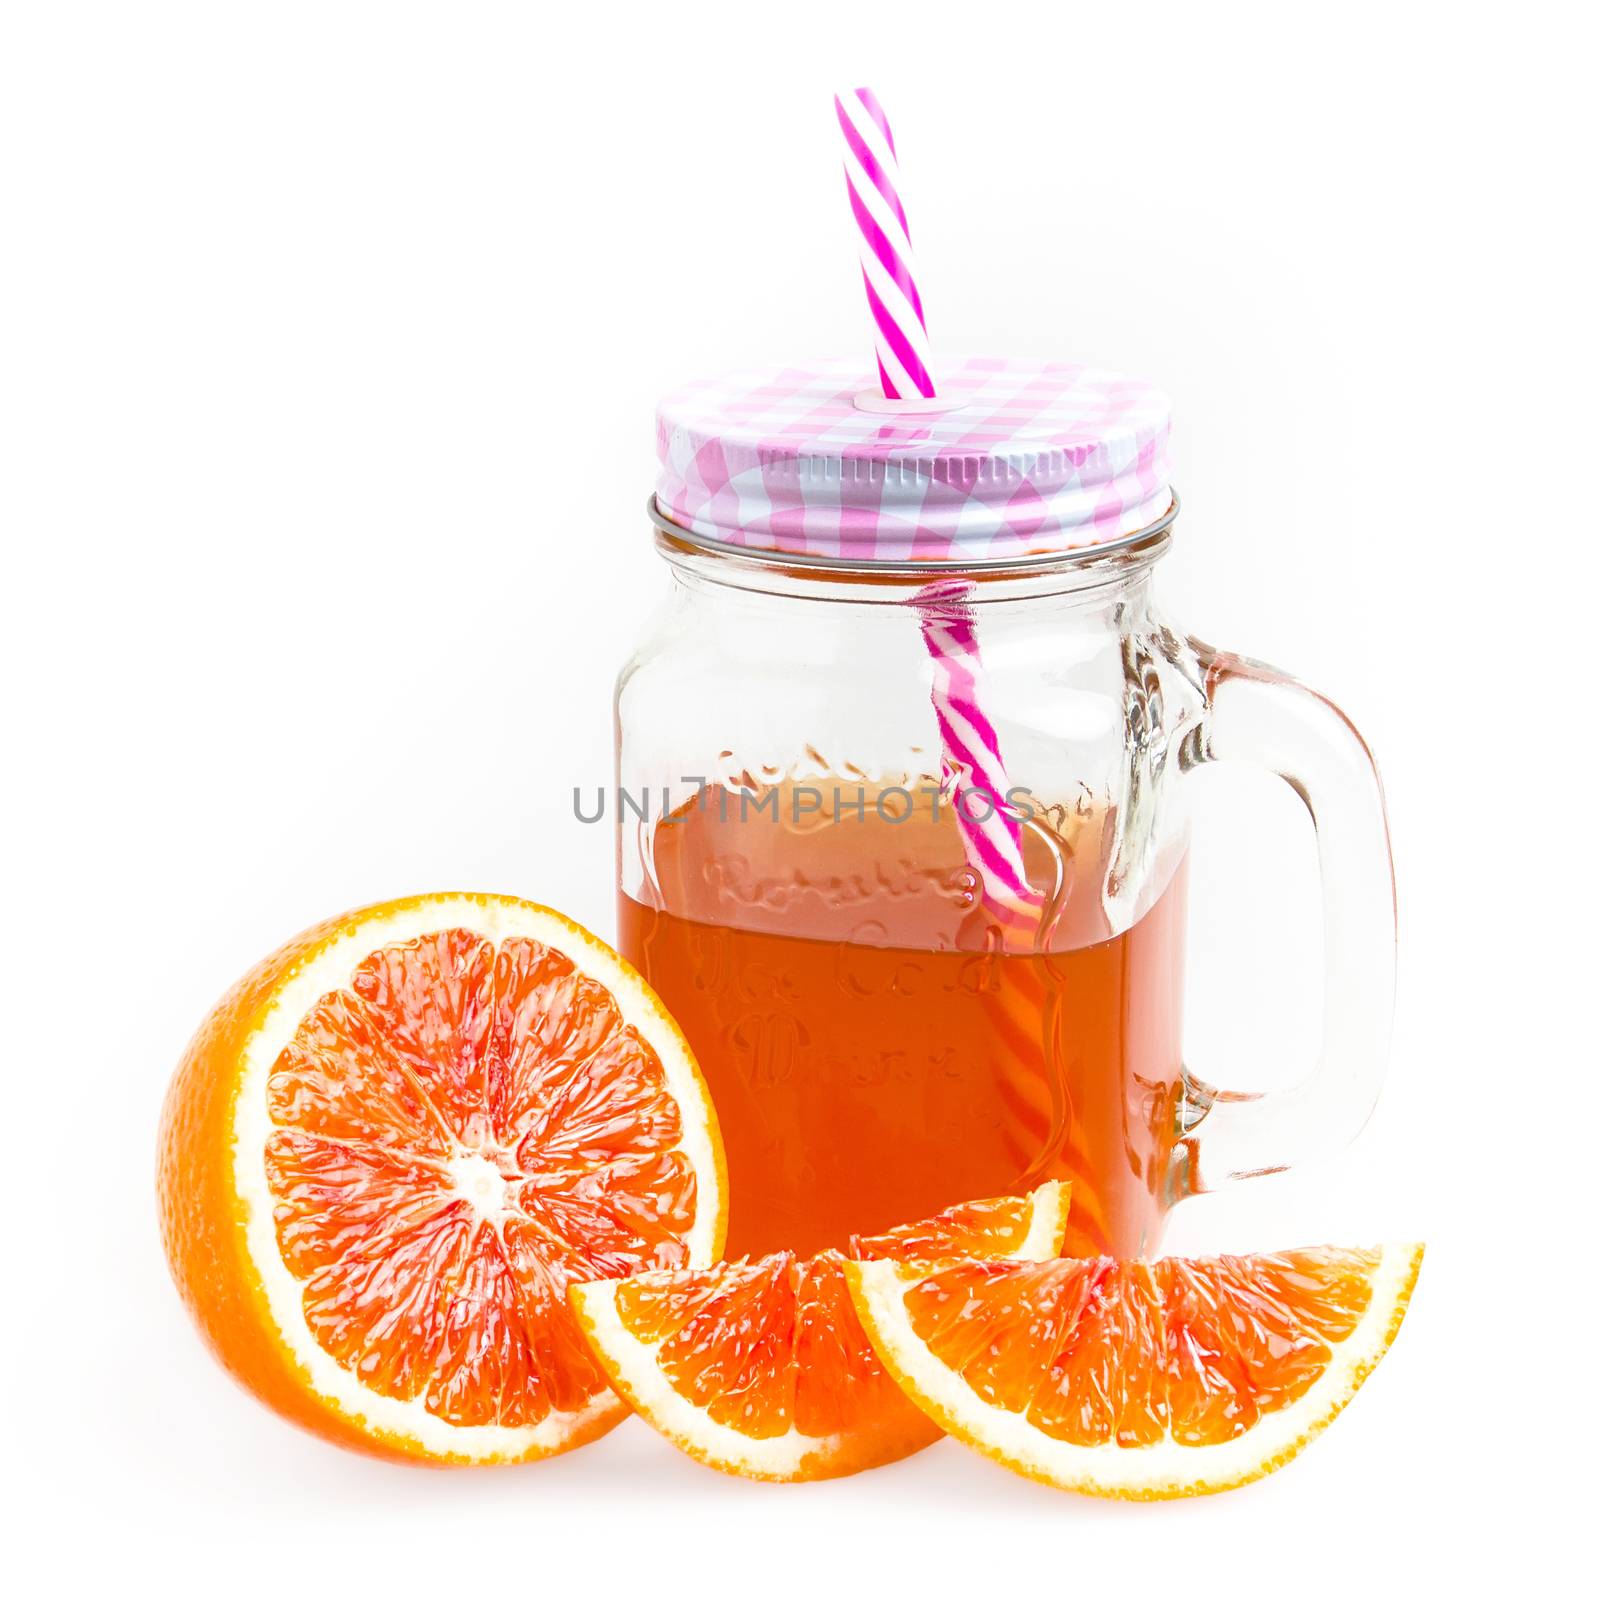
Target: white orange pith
{"points": [[395, 1145], [760, 1367], [1137, 1380]]}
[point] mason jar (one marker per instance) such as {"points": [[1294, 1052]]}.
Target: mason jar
{"points": [[901, 809]]}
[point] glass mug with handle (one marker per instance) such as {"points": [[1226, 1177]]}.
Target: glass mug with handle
{"points": [[901, 651]]}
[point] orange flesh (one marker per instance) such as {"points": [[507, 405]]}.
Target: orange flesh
{"points": [[1099, 1351], [762, 1346], [458, 1136]]}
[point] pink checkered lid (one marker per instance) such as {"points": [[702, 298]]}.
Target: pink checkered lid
{"points": [[1029, 458]]}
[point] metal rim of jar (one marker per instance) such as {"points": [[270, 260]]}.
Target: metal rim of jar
{"points": [[1132, 549]]}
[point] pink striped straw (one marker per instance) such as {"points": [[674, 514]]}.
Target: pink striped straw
{"points": [[991, 834], [871, 173]]}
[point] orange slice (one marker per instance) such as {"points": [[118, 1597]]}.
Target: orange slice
{"points": [[1140, 1381], [393, 1146], [760, 1368]]}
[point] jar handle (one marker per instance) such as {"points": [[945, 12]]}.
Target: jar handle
{"points": [[1260, 716]]}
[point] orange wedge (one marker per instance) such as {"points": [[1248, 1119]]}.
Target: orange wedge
{"points": [[395, 1144], [760, 1367], [1140, 1381]]}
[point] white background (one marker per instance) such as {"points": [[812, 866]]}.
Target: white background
{"points": [[308, 309]]}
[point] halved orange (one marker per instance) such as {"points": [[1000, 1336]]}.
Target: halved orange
{"points": [[396, 1142], [1140, 1381], [760, 1367]]}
